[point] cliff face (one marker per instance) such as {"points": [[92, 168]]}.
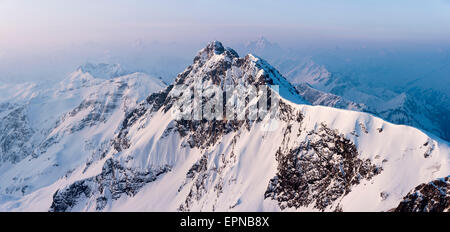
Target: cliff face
{"points": [[433, 196]]}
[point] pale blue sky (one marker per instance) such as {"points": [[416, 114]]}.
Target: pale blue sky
{"points": [[48, 23], [43, 39]]}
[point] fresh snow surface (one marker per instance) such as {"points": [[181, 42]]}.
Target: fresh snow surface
{"points": [[68, 122], [400, 147]]}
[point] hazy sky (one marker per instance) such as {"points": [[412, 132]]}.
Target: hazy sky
{"points": [[40, 23], [49, 37]]}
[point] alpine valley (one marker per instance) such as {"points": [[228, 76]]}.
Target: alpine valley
{"points": [[105, 139]]}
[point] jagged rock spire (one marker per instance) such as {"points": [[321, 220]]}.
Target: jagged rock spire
{"points": [[222, 66], [215, 48]]}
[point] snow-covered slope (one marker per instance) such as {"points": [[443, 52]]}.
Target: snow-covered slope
{"points": [[56, 129], [301, 158], [422, 108], [14, 93], [372, 80], [102, 70], [296, 68]]}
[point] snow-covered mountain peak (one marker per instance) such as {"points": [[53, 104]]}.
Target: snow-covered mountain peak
{"points": [[216, 50], [216, 46], [102, 70], [222, 66], [261, 43], [17, 93], [89, 75]]}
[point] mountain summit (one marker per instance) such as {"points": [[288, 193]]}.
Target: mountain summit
{"points": [[263, 45], [216, 65], [102, 70]]}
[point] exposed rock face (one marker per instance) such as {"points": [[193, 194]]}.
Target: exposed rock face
{"points": [[200, 175], [15, 133], [68, 198], [100, 107], [429, 197], [110, 184], [319, 171]]}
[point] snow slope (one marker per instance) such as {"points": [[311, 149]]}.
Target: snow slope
{"points": [[56, 129], [401, 87]]}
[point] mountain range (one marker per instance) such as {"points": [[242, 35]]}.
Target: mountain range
{"points": [[417, 103], [105, 139]]}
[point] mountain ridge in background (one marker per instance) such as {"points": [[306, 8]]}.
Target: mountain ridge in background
{"points": [[413, 103]]}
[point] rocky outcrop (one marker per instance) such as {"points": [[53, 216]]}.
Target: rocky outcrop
{"points": [[114, 181], [15, 134], [213, 66], [433, 196], [319, 172]]}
